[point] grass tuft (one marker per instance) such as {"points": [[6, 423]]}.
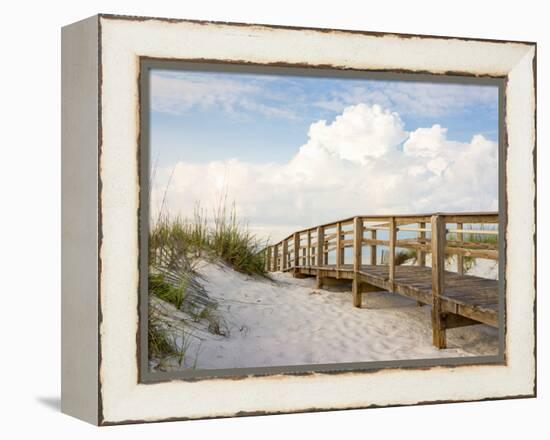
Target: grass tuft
{"points": [[474, 237], [403, 256], [225, 238], [231, 241], [160, 345], [174, 294]]}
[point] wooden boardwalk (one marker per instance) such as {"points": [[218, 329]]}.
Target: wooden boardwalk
{"points": [[457, 299]]}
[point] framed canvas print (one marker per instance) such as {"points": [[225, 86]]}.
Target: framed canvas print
{"points": [[262, 219]]}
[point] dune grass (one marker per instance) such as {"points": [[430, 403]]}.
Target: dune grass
{"points": [[476, 237], [232, 241], [176, 246], [163, 346], [169, 292], [159, 343], [403, 256], [225, 238]]}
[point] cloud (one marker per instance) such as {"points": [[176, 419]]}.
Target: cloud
{"points": [[177, 93], [412, 98], [360, 132], [363, 162], [298, 98]]}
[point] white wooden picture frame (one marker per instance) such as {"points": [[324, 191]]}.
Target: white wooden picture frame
{"points": [[101, 59]]}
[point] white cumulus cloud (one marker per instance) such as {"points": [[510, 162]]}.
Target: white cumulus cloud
{"points": [[363, 162], [359, 133]]}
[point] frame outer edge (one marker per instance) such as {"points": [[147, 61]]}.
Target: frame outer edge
{"points": [[108, 422], [80, 221]]}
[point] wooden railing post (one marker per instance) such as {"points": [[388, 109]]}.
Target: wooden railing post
{"points": [[284, 256], [342, 247], [373, 249], [268, 259], [275, 258], [320, 254], [308, 248], [438, 281], [421, 260], [320, 246], [296, 239], [357, 260], [338, 248], [459, 257], [391, 258], [420, 254]]}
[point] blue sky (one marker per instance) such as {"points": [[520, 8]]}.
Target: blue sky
{"points": [[263, 118], [280, 144]]}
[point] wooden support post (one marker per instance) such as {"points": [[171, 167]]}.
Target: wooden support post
{"points": [[320, 246], [268, 258], [459, 257], [421, 255], [275, 258], [357, 260], [342, 249], [391, 257], [357, 243], [373, 249], [296, 239], [319, 254], [338, 248], [308, 249], [284, 256], [438, 281], [421, 260]]}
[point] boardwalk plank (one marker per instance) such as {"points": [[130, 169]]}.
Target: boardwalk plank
{"points": [[477, 294]]}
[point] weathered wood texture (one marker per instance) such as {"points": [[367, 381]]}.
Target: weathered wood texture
{"points": [[285, 255], [421, 259], [295, 253], [391, 260], [456, 299], [459, 257], [438, 279], [373, 249], [308, 249], [357, 259], [339, 249], [276, 259]]}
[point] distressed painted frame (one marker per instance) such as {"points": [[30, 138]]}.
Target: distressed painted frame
{"points": [[101, 205], [146, 65]]}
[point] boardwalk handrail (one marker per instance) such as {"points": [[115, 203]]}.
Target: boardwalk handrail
{"points": [[306, 239], [310, 248]]}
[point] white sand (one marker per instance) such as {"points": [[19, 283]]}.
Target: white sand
{"points": [[289, 322]]}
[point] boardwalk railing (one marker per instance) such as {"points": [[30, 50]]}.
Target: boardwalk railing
{"points": [[321, 251]]}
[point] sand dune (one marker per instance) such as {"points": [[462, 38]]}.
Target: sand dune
{"points": [[288, 322]]}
